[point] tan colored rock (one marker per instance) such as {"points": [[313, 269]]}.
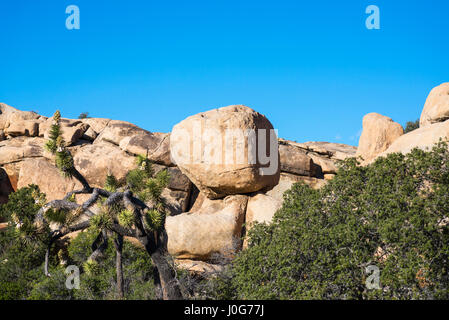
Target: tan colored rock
{"points": [[10, 154], [72, 129], [423, 138], [261, 208], [96, 124], [436, 108], [44, 174], [211, 148], [117, 130], [156, 144], [97, 160], [379, 132], [213, 230], [5, 112], [335, 151], [198, 267], [327, 165], [29, 128], [72, 134], [295, 160], [89, 135]]}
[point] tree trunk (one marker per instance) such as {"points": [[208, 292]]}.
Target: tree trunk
{"points": [[169, 283], [118, 242]]}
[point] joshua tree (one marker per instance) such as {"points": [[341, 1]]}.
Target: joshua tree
{"points": [[131, 209]]}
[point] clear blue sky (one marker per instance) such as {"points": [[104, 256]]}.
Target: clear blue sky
{"points": [[311, 67]]}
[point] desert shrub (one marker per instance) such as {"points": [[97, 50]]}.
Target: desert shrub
{"points": [[392, 214], [21, 247], [411, 125]]}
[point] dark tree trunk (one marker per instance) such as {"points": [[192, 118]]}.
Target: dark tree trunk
{"points": [[118, 242]]}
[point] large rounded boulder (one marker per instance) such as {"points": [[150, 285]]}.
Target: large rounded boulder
{"points": [[436, 108], [225, 151]]}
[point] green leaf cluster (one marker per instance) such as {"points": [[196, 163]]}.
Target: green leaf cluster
{"points": [[392, 214]]}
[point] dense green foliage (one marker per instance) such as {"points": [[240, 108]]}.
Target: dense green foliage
{"points": [[411, 125], [392, 214], [23, 244], [21, 262]]}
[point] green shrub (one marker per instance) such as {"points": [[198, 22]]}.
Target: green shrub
{"points": [[391, 214], [411, 125]]}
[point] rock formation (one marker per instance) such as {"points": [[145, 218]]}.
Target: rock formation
{"points": [[209, 203], [436, 108], [379, 132], [381, 136]]}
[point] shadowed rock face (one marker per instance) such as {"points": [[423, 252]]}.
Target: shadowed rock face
{"points": [[5, 187]]}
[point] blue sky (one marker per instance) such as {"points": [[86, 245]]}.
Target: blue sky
{"points": [[311, 67]]}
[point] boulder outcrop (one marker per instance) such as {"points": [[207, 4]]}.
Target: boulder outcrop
{"points": [[213, 149], [379, 132], [436, 108], [199, 227]]}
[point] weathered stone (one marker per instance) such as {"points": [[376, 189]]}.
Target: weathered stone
{"points": [[177, 201], [44, 174], [97, 160], [211, 148], [198, 267], [423, 138], [5, 112], [29, 128], [157, 145], [213, 230], [45, 126], [436, 108], [261, 208], [295, 160], [90, 134], [96, 124], [336, 151], [10, 154], [117, 130], [327, 165], [72, 134], [379, 132]]}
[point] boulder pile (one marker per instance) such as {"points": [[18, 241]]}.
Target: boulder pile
{"points": [[382, 136], [228, 169]]}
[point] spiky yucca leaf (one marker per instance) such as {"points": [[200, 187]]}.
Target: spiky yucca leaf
{"points": [[111, 184], [126, 218]]}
